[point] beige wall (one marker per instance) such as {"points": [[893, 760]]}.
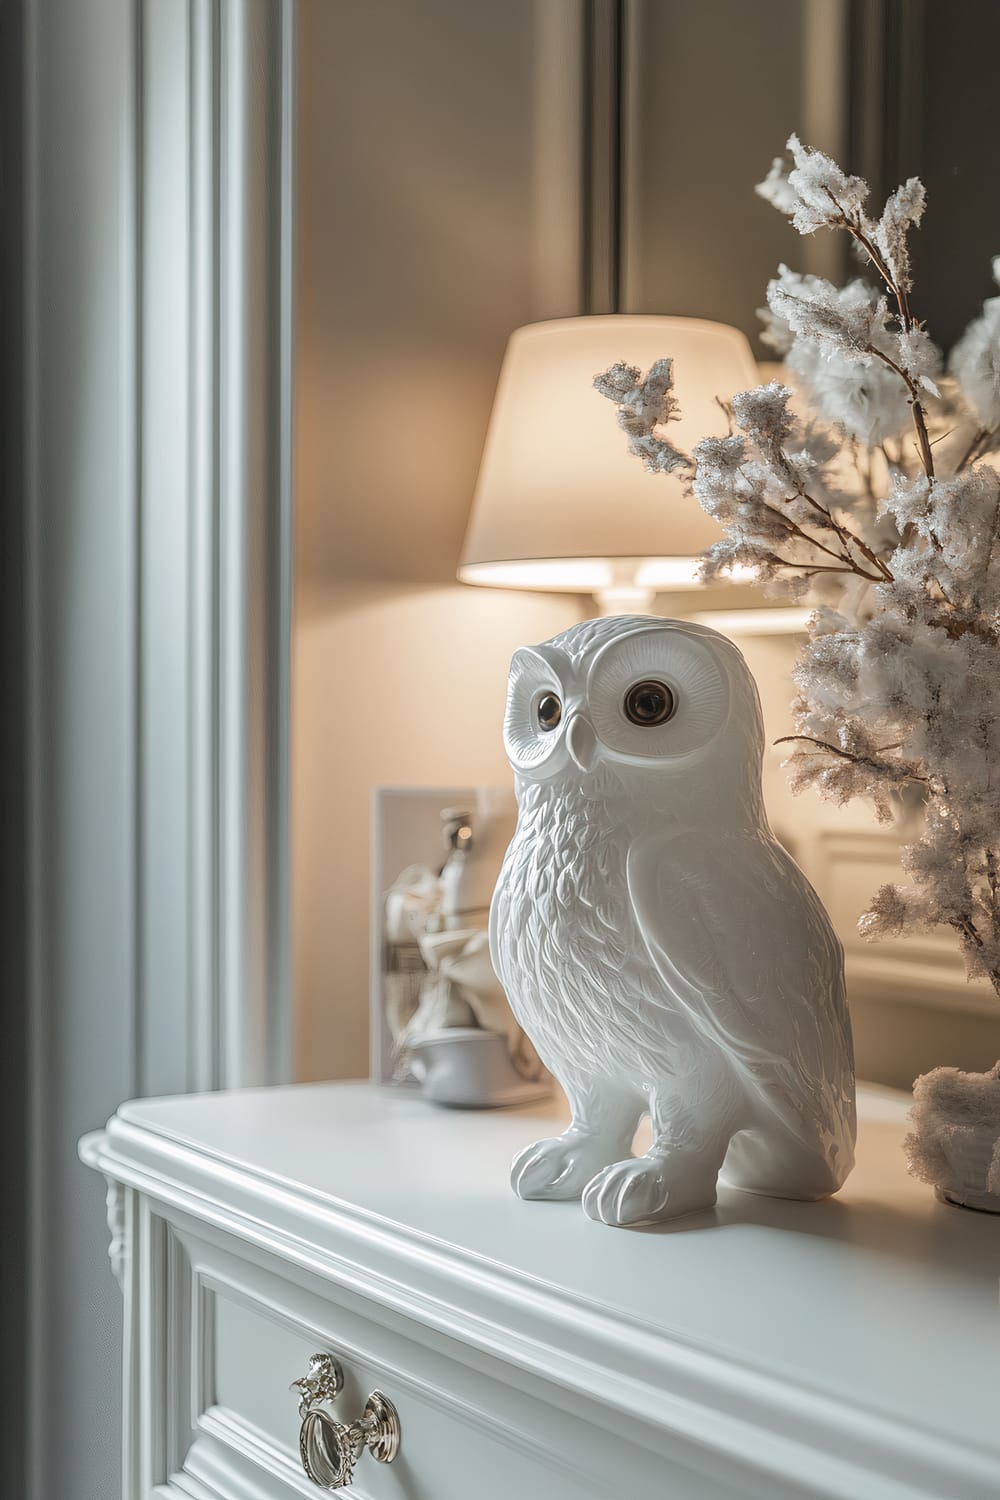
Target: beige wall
{"points": [[439, 206]]}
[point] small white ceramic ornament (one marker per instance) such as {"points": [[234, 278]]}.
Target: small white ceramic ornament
{"points": [[660, 948]]}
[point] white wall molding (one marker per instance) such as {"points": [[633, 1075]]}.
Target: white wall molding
{"points": [[158, 233], [216, 275], [255, 255], [924, 969]]}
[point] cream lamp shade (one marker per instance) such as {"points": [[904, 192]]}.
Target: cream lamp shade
{"points": [[560, 503]]}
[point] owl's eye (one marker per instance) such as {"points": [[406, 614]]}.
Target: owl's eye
{"points": [[648, 703], [549, 711]]}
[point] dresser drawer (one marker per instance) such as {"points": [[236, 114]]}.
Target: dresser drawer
{"points": [[471, 1428], [451, 1447]]}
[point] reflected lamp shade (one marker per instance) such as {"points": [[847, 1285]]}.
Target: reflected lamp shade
{"points": [[560, 503]]}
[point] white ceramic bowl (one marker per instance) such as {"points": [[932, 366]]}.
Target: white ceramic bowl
{"points": [[467, 1068]]}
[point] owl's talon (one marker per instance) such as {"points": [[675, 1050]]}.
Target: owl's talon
{"points": [[558, 1168], [647, 1189]]}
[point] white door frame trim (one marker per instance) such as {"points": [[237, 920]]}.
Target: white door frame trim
{"points": [[216, 274], [159, 186]]}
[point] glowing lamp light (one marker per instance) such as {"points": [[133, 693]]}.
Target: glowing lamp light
{"points": [[560, 504]]}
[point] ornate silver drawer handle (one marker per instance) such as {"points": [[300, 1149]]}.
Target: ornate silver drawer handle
{"points": [[330, 1449]]}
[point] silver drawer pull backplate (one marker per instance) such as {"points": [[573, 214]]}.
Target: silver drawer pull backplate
{"points": [[330, 1449]]}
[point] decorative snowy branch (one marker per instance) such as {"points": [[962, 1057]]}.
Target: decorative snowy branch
{"points": [[899, 683]]}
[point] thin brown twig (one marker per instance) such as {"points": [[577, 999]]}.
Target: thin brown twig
{"points": [[800, 532], [858, 760], [956, 629], [866, 472], [853, 227], [808, 569], [844, 557], [941, 587], [967, 928], [991, 875], [916, 410], [972, 451], [845, 533], [726, 408], [899, 292]]}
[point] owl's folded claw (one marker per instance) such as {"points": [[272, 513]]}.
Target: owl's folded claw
{"points": [[647, 1189], [558, 1168]]}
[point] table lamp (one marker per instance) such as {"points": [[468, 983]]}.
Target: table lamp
{"points": [[560, 504]]}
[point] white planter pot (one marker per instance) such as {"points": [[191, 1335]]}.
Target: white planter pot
{"points": [[955, 1141]]}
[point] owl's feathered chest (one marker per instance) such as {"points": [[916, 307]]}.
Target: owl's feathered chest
{"points": [[569, 951]]}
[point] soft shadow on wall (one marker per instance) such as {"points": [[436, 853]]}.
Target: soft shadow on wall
{"points": [[394, 684]]}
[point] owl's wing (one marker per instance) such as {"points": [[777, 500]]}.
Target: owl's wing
{"points": [[744, 948]]}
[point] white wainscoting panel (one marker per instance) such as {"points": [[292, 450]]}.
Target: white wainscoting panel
{"points": [[922, 968]]}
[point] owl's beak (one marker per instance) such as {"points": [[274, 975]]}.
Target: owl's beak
{"points": [[581, 741]]}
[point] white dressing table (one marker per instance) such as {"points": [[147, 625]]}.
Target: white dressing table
{"points": [[849, 1349]]}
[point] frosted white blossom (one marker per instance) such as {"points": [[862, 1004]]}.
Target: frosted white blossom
{"points": [[958, 518], [618, 381], [908, 501], [919, 358], [975, 362], [776, 188], [889, 913], [725, 454], [652, 400], [764, 415], [775, 334], [644, 404], [828, 621], [848, 386], [903, 211], [843, 324], [815, 191], [868, 401]]}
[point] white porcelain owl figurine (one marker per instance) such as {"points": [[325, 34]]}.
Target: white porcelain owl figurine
{"points": [[661, 949]]}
